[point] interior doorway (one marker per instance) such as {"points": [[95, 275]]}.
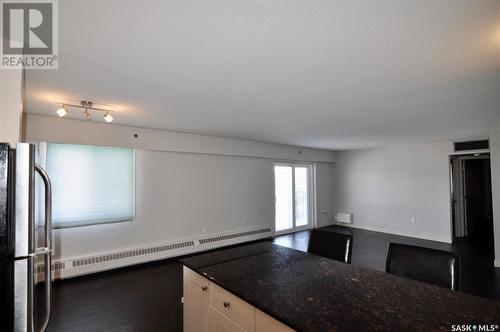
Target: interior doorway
{"points": [[471, 202]]}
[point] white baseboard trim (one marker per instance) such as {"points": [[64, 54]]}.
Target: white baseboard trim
{"points": [[497, 263], [381, 230], [77, 266]]}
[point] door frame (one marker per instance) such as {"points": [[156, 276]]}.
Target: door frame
{"points": [[459, 182], [310, 197]]}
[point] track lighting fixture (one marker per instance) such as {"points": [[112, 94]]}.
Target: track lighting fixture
{"points": [[62, 111]]}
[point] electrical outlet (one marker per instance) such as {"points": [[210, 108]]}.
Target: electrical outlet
{"points": [[413, 220], [330, 219], [204, 230]]}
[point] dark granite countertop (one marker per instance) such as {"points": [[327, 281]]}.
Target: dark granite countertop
{"points": [[311, 293]]}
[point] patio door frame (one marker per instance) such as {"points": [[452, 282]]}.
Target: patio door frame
{"points": [[310, 197]]}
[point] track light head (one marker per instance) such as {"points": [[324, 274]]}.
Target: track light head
{"points": [[62, 111], [108, 118]]}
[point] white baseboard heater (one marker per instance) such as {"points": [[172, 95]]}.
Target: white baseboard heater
{"points": [[345, 218], [68, 268]]}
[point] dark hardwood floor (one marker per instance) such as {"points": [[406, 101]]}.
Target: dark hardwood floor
{"points": [[147, 297], [144, 298]]}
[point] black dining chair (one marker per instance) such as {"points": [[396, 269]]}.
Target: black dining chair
{"points": [[330, 245], [437, 267]]}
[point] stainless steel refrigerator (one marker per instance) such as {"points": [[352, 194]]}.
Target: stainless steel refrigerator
{"points": [[24, 300]]}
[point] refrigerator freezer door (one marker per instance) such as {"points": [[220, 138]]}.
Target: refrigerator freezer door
{"points": [[23, 295], [6, 295], [5, 231], [24, 200]]}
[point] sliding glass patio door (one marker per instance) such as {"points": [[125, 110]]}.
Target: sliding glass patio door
{"points": [[292, 185]]}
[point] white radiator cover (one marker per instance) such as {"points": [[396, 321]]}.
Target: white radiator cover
{"points": [[73, 267]]}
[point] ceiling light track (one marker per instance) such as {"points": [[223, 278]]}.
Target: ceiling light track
{"points": [[87, 106]]}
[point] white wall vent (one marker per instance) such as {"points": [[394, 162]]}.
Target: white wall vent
{"points": [[472, 145], [345, 218]]}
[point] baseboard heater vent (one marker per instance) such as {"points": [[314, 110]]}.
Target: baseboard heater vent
{"points": [[84, 265], [56, 266], [232, 236], [131, 253]]}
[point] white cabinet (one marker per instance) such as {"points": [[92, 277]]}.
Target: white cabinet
{"points": [[233, 307], [196, 302], [218, 322], [209, 308]]}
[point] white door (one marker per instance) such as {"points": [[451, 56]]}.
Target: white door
{"points": [[293, 208]]}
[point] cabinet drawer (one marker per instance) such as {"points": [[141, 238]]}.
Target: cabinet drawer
{"points": [[197, 279], [217, 322], [234, 308]]}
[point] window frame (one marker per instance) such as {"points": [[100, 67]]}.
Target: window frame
{"points": [[42, 156], [310, 199]]}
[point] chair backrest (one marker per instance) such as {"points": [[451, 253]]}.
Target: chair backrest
{"points": [[432, 266], [330, 245]]}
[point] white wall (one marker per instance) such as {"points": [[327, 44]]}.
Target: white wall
{"points": [[495, 179], [386, 188], [53, 129], [180, 193], [325, 185], [11, 82], [177, 194]]}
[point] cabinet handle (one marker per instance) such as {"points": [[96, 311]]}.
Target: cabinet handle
{"points": [[204, 288], [226, 304]]}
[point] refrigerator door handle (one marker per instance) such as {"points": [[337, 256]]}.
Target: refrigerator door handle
{"points": [[46, 251], [48, 205]]}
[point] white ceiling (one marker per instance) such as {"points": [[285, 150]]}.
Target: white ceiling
{"points": [[335, 75]]}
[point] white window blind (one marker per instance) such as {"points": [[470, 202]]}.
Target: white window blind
{"points": [[90, 184]]}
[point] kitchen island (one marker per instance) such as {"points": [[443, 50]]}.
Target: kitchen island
{"points": [[290, 289]]}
